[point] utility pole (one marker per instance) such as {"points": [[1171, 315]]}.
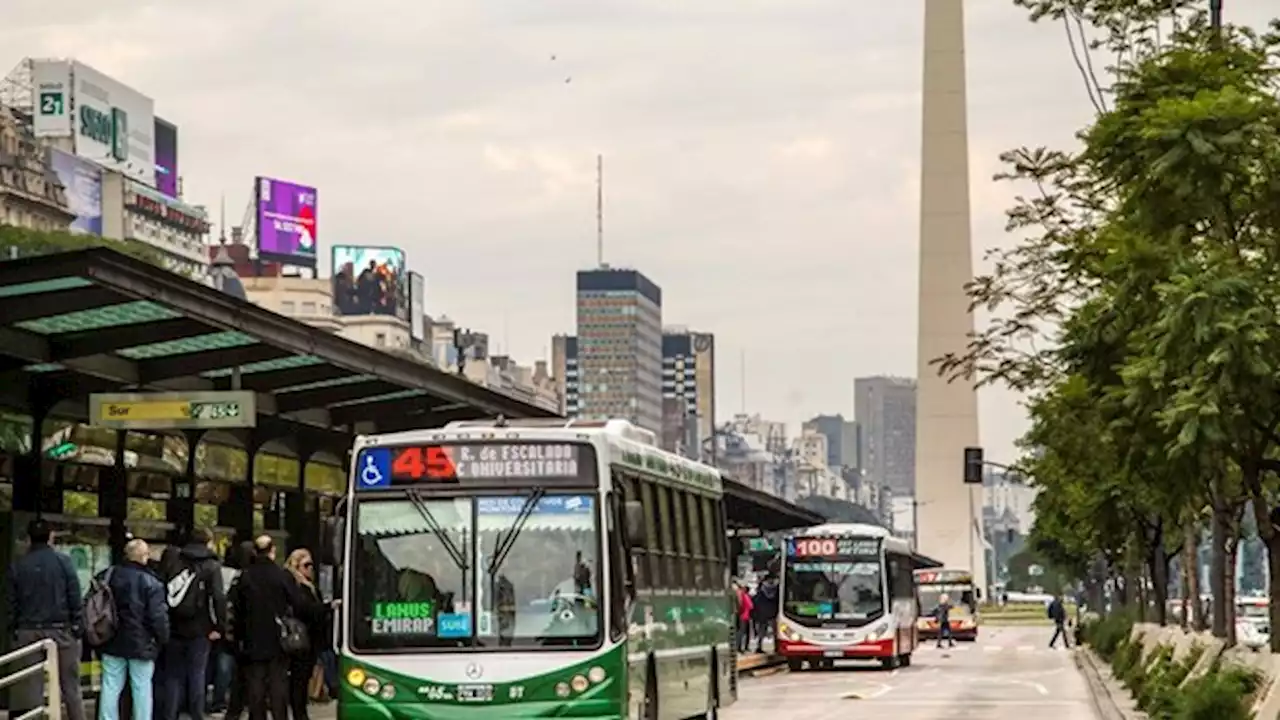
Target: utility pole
{"points": [[600, 210]]}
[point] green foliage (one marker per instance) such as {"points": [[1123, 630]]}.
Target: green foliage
{"points": [[1151, 256], [1223, 693], [24, 242], [1106, 635]]}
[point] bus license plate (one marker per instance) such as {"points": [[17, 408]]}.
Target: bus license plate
{"points": [[475, 693], [833, 653]]}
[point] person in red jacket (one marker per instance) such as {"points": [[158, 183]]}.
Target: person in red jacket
{"points": [[745, 606]]}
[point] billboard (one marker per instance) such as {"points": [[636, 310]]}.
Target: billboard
{"points": [[369, 281], [83, 182], [286, 221], [51, 87], [166, 157], [417, 306], [114, 125]]}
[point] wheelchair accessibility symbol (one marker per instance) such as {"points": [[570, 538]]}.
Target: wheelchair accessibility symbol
{"points": [[374, 469]]}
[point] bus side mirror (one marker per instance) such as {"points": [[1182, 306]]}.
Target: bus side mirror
{"points": [[637, 535], [335, 540]]}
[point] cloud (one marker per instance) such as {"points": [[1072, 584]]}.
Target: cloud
{"points": [[761, 157]]}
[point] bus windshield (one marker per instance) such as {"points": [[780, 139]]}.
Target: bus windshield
{"points": [[539, 576], [834, 590], [961, 597], [432, 573]]}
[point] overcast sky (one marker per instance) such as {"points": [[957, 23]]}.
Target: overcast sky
{"points": [[761, 156]]}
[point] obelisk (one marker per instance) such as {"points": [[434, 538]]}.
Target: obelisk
{"points": [[949, 512]]}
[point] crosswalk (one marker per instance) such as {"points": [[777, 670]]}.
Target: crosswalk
{"points": [[979, 647]]}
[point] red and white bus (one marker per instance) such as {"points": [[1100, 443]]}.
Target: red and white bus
{"points": [[848, 593], [957, 585]]}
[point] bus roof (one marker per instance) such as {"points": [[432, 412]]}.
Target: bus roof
{"points": [[618, 441]]}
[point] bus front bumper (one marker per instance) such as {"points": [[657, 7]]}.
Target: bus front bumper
{"points": [[800, 649]]}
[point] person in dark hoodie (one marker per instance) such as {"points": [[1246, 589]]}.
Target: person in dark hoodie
{"points": [[265, 594], [764, 611], [198, 617], [142, 628]]}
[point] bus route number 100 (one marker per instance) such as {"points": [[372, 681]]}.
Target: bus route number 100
{"points": [[815, 546]]}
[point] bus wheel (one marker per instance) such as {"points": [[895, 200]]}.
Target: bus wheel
{"points": [[904, 660], [651, 693], [795, 665], [890, 663]]}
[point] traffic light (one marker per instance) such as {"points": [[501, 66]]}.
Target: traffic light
{"points": [[973, 466]]}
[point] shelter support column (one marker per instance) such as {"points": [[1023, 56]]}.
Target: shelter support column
{"points": [[181, 509], [301, 518], [237, 511]]}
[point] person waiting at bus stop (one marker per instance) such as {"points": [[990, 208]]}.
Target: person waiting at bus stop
{"points": [[942, 614]]}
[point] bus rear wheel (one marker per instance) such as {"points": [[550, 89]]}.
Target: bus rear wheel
{"points": [[891, 663], [795, 665]]}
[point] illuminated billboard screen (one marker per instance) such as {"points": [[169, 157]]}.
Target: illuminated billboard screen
{"points": [[370, 281], [166, 158], [286, 222], [83, 182]]}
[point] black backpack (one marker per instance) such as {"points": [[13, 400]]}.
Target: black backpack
{"points": [[100, 620], [188, 593]]}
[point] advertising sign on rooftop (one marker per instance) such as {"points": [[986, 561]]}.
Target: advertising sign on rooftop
{"points": [[51, 86], [167, 157], [286, 221], [370, 281], [83, 182], [417, 306]]}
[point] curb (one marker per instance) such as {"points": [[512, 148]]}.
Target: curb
{"points": [[750, 664], [1101, 695]]}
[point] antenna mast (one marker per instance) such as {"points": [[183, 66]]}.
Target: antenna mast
{"points": [[600, 210]]}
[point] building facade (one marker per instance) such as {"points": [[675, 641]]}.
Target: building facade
{"points": [[31, 196], [886, 417], [842, 439], [688, 390], [619, 347], [177, 231]]}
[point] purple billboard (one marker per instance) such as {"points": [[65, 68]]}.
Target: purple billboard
{"points": [[166, 157], [286, 221]]}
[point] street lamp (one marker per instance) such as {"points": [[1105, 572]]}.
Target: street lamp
{"points": [[1215, 15]]}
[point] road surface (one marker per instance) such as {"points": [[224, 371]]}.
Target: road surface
{"points": [[1008, 674]]}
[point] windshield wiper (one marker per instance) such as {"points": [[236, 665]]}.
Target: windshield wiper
{"points": [[507, 540], [415, 498]]}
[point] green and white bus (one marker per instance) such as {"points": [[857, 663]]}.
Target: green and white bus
{"points": [[529, 569]]}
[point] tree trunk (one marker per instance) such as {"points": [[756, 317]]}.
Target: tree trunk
{"points": [[1158, 562], [1191, 561], [1229, 604], [1218, 568], [1273, 592]]}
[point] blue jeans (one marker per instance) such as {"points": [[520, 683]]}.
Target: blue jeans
{"points": [[224, 669], [186, 663], [114, 671], [329, 663]]}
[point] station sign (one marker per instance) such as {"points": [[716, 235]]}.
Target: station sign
{"points": [[173, 411]]}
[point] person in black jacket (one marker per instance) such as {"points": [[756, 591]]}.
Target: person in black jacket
{"points": [[197, 616], [315, 614], [45, 603], [265, 593], [142, 628]]}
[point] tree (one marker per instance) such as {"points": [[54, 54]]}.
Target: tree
{"points": [[21, 242]]}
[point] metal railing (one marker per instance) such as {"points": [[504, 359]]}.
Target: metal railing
{"points": [[48, 666]]}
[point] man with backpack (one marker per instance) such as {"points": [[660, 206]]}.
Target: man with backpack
{"points": [[45, 604], [128, 622], [198, 616]]}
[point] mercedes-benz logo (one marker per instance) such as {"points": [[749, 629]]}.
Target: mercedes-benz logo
{"points": [[474, 671]]}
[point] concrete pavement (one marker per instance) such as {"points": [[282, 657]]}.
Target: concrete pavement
{"points": [[1008, 674]]}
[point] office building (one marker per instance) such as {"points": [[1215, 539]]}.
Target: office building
{"points": [[842, 439], [886, 417], [688, 390], [619, 347]]}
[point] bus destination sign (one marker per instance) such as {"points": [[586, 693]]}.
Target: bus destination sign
{"points": [[831, 546], [381, 467]]}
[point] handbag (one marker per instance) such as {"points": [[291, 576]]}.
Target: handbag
{"points": [[294, 638]]}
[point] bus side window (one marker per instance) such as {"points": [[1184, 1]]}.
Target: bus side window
{"points": [[697, 562], [711, 544], [640, 556], [653, 553], [670, 573], [619, 558], [681, 520]]}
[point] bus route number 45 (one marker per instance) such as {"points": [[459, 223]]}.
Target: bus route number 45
{"points": [[416, 463]]}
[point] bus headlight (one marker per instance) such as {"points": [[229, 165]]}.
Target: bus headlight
{"points": [[562, 689], [596, 675], [388, 692], [786, 632], [372, 686], [579, 683], [355, 676]]}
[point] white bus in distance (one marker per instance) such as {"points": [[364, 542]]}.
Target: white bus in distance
{"points": [[848, 593]]}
